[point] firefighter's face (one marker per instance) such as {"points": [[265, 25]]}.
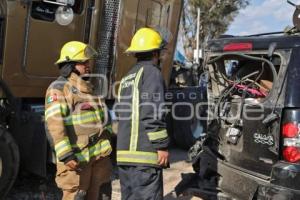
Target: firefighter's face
{"points": [[83, 68]]}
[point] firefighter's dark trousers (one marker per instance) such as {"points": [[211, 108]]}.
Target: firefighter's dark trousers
{"points": [[141, 183]]}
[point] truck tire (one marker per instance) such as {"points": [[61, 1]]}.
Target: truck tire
{"points": [[9, 161]]}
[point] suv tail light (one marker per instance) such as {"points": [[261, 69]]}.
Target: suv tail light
{"points": [[246, 46], [291, 142]]}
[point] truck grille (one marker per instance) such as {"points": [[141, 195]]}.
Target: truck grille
{"points": [[106, 41]]}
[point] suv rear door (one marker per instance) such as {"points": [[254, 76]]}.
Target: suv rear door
{"points": [[249, 141]]}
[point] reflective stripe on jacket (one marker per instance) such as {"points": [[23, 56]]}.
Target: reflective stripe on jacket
{"points": [[73, 116], [140, 108]]}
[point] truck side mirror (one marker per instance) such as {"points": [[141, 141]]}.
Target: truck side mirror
{"points": [[64, 14]]}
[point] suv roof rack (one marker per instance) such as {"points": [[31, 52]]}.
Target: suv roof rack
{"points": [[263, 34], [254, 35]]}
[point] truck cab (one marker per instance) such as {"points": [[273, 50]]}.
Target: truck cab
{"points": [[32, 33]]}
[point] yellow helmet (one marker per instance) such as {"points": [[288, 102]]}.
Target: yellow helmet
{"points": [[76, 51], [145, 40]]}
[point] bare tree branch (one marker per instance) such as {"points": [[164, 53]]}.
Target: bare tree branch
{"points": [[216, 16]]}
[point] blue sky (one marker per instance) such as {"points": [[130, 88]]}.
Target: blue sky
{"points": [[260, 16], [263, 16]]}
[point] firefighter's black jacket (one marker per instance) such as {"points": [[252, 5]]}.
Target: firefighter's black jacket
{"points": [[141, 108]]}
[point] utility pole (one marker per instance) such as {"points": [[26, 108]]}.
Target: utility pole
{"points": [[197, 35]]}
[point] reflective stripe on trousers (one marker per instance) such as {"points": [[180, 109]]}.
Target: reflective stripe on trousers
{"points": [[137, 157]]}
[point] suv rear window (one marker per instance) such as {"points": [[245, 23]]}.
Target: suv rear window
{"points": [[238, 75]]}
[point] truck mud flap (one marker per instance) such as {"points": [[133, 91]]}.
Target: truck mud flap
{"points": [[29, 132], [9, 161]]}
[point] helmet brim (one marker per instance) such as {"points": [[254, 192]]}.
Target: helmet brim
{"points": [[131, 50], [89, 53]]}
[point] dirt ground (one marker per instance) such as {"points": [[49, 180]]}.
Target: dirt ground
{"points": [[28, 188]]}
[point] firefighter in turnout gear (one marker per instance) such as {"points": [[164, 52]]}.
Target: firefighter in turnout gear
{"points": [[77, 123], [142, 139]]}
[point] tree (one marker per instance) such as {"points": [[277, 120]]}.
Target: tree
{"points": [[216, 16]]}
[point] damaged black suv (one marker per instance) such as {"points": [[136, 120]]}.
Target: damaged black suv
{"points": [[252, 146]]}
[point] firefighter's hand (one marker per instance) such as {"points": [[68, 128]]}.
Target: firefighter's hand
{"points": [[163, 158], [72, 164]]}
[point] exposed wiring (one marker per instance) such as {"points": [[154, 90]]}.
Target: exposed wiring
{"points": [[233, 85], [273, 70]]}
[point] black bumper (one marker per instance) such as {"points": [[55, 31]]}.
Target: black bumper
{"points": [[284, 183], [276, 192]]}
